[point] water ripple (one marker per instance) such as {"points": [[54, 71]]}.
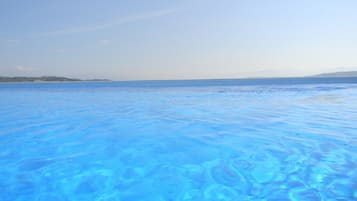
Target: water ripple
{"points": [[106, 142]]}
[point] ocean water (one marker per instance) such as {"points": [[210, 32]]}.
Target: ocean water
{"points": [[219, 140]]}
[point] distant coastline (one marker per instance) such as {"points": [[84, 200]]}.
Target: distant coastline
{"points": [[338, 74], [48, 79], [342, 74]]}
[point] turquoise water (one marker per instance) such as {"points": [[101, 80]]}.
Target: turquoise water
{"points": [[156, 141]]}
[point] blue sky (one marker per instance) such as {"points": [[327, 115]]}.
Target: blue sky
{"points": [[178, 39]]}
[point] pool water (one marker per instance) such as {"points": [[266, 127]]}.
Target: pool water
{"points": [[136, 142]]}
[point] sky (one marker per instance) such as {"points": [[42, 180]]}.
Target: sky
{"points": [[177, 39]]}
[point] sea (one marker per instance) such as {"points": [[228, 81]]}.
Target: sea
{"points": [[186, 140]]}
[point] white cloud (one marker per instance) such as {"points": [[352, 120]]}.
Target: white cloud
{"points": [[120, 21]]}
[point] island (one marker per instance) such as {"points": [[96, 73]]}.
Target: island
{"points": [[338, 74], [47, 79]]}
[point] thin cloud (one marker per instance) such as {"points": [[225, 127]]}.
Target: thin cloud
{"points": [[346, 68], [120, 21], [104, 42], [20, 68], [9, 41], [13, 41]]}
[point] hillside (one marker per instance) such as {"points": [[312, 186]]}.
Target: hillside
{"points": [[44, 79], [339, 74]]}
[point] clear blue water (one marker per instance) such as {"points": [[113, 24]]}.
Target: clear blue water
{"points": [[183, 140]]}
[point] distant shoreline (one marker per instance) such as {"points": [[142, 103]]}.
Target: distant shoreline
{"points": [[55, 79], [52, 82], [46, 79], [195, 83]]}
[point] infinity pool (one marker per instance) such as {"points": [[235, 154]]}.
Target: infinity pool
{"points": [[136, 142]]}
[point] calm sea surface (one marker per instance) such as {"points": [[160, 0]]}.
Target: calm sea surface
{"points": [[215, 140]]}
